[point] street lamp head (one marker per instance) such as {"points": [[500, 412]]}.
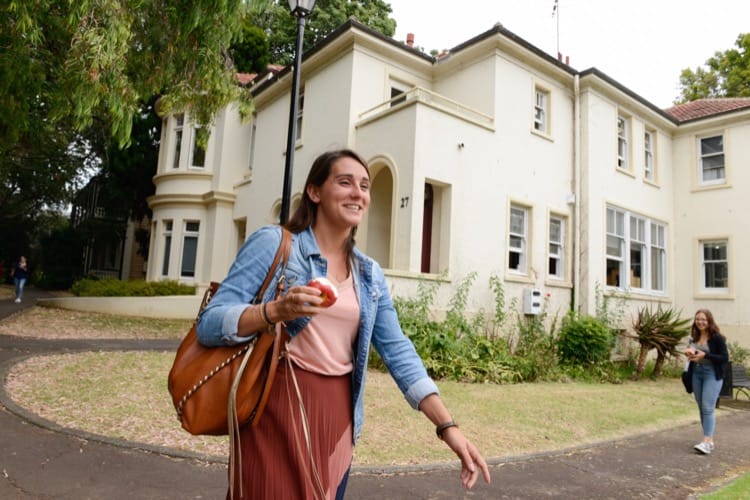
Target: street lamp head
{"points": [[301, 8]]}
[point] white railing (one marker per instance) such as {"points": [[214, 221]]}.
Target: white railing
{"points": [[437, 101]]}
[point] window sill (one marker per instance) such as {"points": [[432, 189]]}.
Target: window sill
{"points": [[543, 135], [625, 171], [652, 183], [518, 278], [718, 295], [710, 187]]}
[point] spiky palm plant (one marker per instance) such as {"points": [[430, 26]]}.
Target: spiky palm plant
{"points": [[660, 329]]}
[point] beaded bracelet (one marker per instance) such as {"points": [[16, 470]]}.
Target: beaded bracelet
{"points": [[442, 428]]}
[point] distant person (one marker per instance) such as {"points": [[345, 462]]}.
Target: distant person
{"points": [[708, 354], [20, 274]]}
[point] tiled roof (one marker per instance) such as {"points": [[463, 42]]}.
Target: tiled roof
{"points": [[703, 108], [247, 78]]}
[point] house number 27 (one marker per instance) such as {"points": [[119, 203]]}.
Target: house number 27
{"points": [[404, 202]]}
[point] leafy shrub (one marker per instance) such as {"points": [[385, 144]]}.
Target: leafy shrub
{"points": [[110, 287], [737, 354], [584, 340]]}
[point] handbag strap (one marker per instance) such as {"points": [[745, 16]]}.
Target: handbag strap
{"points": [[233, 425], [282, 255]]}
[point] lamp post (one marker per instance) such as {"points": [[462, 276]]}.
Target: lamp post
{"points": [[299, 9]]}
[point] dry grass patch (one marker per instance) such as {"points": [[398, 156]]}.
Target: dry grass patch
{"points": [[124, 395], [67, 324]]}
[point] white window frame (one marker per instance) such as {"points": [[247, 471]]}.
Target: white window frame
{"points": [[190, 240], [397, 91], [518, 239], [195, 148], [637, 244], [705, 262], [636, 233], [649, 163], [167, 239], [542, 100], [556, 247], [658, 257], [251, 152], [300, 113], [623, 142], [178, 130], [706, 157], [615, 234]]}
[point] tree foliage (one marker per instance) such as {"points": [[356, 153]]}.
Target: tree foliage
{"points": [[726, 74], [93, 62], [281, 28]]}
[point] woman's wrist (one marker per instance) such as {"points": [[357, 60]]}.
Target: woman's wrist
{"points": [[267, 314], [440, 429]]}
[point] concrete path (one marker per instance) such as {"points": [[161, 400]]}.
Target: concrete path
{"points": [[39, 460]]}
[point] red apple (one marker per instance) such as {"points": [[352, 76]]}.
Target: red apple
{"points": [[327, 290]]}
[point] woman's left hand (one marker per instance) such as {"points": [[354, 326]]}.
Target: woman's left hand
{"points": [[472, 461]]}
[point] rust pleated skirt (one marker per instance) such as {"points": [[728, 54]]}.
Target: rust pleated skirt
{"points": [[276, 461]]}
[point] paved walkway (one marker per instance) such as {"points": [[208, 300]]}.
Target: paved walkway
{"points": [[39, 460]]}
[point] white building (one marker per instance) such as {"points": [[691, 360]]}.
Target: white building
{"points": [[495, 159]]}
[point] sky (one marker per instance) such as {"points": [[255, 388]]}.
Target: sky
{"points": [[642, 44]]}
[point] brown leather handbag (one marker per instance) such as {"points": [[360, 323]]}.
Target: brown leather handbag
{"points": [[217, 389]]}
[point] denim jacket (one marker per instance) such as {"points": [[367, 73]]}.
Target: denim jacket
{"points": [[378, 322]]}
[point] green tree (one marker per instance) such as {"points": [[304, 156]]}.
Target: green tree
{"points": [[74, 77], [93, 62], [252, 53], [281, 28], [726, 74]]}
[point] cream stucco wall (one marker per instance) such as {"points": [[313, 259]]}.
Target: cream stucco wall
{"points": [[466, 127]]}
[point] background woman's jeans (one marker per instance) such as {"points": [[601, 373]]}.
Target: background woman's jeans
{"points": [[706, 390], [20, 282]]}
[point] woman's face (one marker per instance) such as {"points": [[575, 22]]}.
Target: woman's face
{"points": [[344, 196], [701, 321]]}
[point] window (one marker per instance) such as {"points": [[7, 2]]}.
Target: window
{"points": [[637, 251], [615, 246], [715, 265], [251, 155], [398, 92], [646, 258], [300, 112], [541, 110], [189, 249], [179, 121], [556, 254], [198, 157], [517, 239], [711, 164], [167, 247], [622, 142], [648, 155], [395, 93], [658, 257]]}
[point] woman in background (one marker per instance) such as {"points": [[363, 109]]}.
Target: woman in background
{"points": [[708, 354]]}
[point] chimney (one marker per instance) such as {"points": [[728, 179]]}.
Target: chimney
{"points": [[410, 39], [567, 60]]}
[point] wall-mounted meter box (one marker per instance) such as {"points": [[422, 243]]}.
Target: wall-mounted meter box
{"points": [[532, 301]]}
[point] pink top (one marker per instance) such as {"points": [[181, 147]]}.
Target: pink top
{"points": [[326, 344]]}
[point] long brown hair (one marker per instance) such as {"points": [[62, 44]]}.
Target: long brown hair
{"points": [[304, 216], [712, 327]]}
